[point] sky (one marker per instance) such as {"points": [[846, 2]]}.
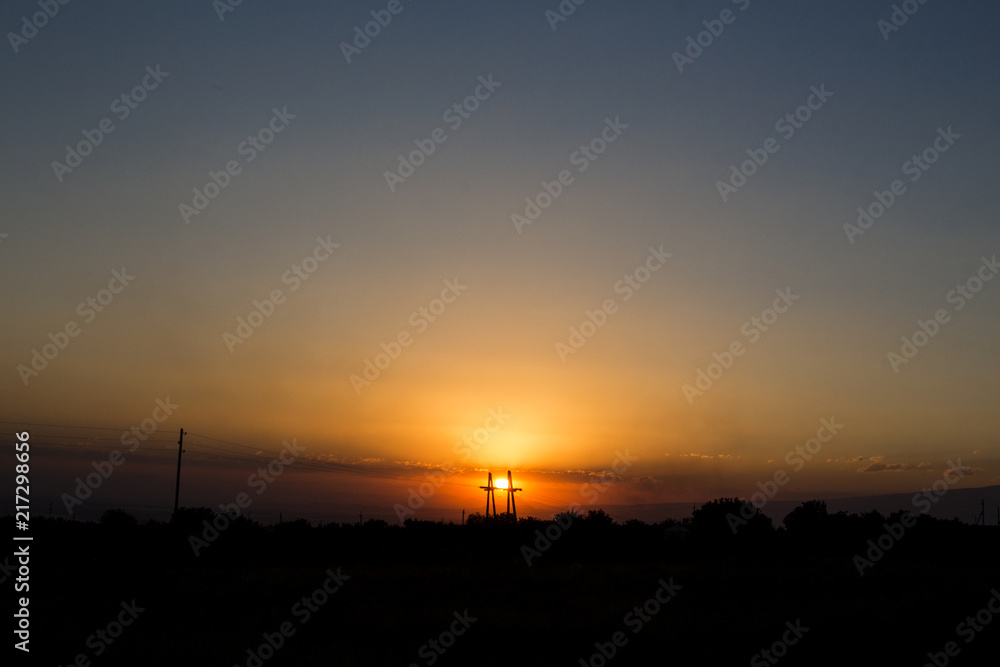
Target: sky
{"points": [[634, 252]]}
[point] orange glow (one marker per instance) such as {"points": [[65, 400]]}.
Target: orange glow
{"points": [[500, 483]]}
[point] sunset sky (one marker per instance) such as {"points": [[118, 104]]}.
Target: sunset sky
{"points": [[571, 333]]}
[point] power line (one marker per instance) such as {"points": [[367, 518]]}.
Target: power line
{"points": [[321, 466], [92, 428], [329, 466], [86, 438], [535, 498], [235, 444], [96, 447], [311, 464]]}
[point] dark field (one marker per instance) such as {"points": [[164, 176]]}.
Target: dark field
{"points": [[396, 589]]}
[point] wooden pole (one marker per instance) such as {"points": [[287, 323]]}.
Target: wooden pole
{"points": [[508, 492], [513, 504], [177, 486], [489, 494], [511, 490]]}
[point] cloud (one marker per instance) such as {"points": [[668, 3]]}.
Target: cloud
{"points": [[384, 465], [878, 466], [644, 482], [727, 457], [964, 471], [572, 475], [856, 459]]}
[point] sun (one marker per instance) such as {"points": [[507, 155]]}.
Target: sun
{"points": [[500, 483]]}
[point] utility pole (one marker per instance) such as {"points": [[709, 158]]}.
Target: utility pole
{"points": [[177, 488], [510, 496]]}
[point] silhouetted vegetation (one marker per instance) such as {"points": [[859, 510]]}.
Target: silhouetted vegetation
{"points": [[556, 584]]}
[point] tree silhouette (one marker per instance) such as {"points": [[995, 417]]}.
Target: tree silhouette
{"points": [[118, 519], [808, 519], [725, 519], [598, 518]]}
